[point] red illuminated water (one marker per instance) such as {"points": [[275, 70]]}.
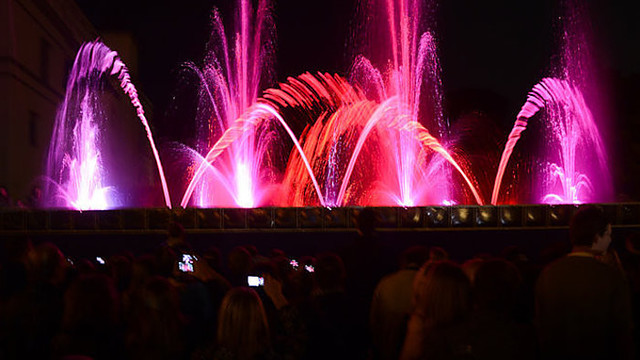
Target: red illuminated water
{"points": [[376, 138], [355, 150]]}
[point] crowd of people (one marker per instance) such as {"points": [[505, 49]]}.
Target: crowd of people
{"points": [[178, 303]]}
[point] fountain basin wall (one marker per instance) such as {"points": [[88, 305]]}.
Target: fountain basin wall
{"points": [[430, 218], [464, 231]]}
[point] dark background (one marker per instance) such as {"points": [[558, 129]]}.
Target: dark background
{"points": [[491, 52]]}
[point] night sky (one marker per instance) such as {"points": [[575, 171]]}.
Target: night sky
{"points": [[494, 47]]}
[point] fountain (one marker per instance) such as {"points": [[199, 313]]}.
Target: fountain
{"points": [[76, 174], [378, 137], [572, 167]]}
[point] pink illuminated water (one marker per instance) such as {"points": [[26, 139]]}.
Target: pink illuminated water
{"points": [[230, 80], [338, 138], [405, 79], [378, 137], [76, 171], [572, 164], [574, 140]]}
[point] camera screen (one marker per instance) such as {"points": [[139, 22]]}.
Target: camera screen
{"points": [[186, 265], [255, 281]]}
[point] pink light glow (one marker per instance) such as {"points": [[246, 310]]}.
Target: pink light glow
{"points": [[572, 131], [230, 83], [75, 164], [379, 138]]}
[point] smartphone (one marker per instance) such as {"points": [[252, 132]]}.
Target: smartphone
{"points": [[186, 265], [100, 260], [255, 280], [294, 264], [309, 268]]}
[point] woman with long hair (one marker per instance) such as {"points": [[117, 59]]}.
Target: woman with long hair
{"points": [[442, 301], [243, 331]]}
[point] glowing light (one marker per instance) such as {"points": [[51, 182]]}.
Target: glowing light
{"points": [[244, 188], [572, 132], [294, 264]]}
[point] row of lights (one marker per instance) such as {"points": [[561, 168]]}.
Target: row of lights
{"points": [[508, 216]]}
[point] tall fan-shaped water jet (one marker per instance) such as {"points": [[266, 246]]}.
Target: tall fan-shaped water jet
{"points": [[236, 67], [404, 67], [572, 166], [75, 172]]}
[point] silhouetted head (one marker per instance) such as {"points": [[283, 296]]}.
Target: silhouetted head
{"points": [[155, 323], [496, 285], [166, 261], [242, 324], [213, 258], [175, 233], [441, 293], [414, 257], [632, 243], [367, 221], [589, 227], [120, 269], [84, 266], [438, 254], [514, 254], [47, 264], [274, 253], [13, 265], [142, 269], [240, 261], [470, 268], [15, 249], [329, 272], [91, 305], [5, 200], [253, 250]]}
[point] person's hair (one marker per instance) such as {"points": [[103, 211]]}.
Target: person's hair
{"points": [[213, 258], [437, 253], [155, 325], [470, 268], [329, 272], [166, 259], [47, 261], [91, 305], [414, 256], [497, 282], [242, 324], [587, 222], [367, 221], [120, 269], [240, 261], [632, 243], [273, 253], [441, 294], [252, 249]]}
